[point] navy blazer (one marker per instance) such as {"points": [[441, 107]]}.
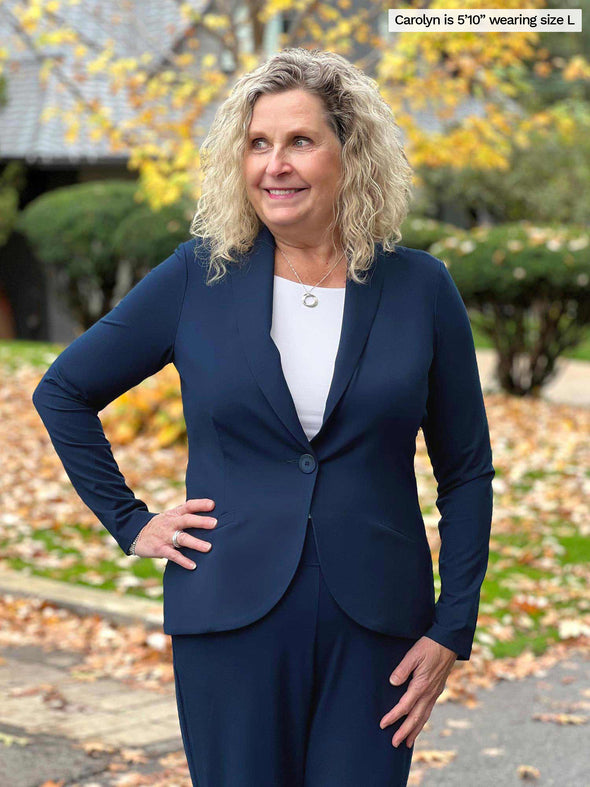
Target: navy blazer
{"points": [[405, 360]]}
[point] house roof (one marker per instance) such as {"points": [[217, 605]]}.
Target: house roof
{"points": [[130, 26]]}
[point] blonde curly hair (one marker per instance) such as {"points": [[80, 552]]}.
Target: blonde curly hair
{"points": [[375, 190]]}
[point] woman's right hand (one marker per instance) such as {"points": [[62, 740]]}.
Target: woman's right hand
{"points": [[155, 539]]}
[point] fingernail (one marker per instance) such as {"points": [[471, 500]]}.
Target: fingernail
{"points": [[394, 680], [193, 565]]}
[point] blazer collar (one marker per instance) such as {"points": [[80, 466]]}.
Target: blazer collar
{"points": [[252, 286]]}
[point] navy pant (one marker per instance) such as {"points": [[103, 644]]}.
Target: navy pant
{"points": [[293, 699]]}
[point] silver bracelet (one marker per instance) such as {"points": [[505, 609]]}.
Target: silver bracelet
{"points": [[133, 543]]}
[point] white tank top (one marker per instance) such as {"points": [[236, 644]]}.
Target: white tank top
{"points": [[307, 339]]}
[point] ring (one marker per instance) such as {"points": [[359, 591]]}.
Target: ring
{"points": [[175, 538]]}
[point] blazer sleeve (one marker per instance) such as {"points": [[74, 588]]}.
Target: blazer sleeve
{"points": [[457, 438], [133, 341]]}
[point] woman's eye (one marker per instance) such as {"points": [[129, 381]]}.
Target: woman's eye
{"points": [[259, 142]]}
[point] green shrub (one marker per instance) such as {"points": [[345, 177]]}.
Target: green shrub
{"points": [[95, 236], [12, 184], [420, 232], [530, 284]]}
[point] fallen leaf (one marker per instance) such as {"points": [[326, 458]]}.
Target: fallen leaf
{"points": [[10, 740], [561, 718], [528, 772]]}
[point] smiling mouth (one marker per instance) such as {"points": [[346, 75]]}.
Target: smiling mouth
{"points": [[283, 192]]}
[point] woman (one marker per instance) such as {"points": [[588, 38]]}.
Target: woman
{"points": [[304, 384]]}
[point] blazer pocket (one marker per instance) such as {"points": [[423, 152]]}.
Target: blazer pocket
{"points": [[396, 532]]}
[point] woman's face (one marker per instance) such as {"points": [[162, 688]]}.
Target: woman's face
{"points": [[291, 146]]}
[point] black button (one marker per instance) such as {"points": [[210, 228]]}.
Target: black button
{"points": [[307, 463]]}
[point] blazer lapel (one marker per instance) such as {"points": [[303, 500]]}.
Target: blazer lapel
{"points": [[252, 287]]}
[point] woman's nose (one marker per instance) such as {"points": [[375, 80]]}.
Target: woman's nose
{"points": [[278, 162]]}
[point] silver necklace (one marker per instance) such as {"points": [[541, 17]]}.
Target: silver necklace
{"points": [[309, 299]]}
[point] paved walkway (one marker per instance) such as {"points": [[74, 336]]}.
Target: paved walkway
{"points": [[55, 727], [503, 743], [48, 719]]}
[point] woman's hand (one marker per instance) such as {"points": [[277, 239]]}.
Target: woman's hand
{"points": [[155, 540], [431, 663]]}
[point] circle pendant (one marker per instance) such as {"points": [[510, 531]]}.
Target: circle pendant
{"points": [[309, 299]]}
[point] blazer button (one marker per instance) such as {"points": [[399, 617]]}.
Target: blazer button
{"points": [[307, 463]]}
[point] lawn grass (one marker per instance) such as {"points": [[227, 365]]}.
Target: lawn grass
{"points": [[577, 549], [108, 570], [15, 352], [63, 543]]}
